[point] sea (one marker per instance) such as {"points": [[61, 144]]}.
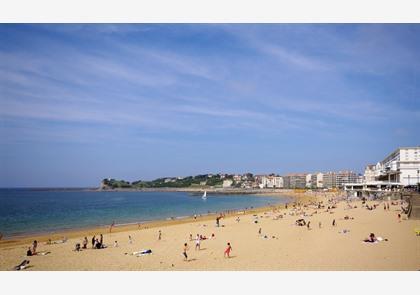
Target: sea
{"points": [[32, 211]]}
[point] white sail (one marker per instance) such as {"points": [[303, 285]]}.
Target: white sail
{"points": [[204, 195]]}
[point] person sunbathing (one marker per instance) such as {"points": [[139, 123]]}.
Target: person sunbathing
{"points": [[22, 265], [371, 239]]}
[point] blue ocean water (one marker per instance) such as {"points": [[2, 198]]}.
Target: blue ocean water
{"points": [[25, 211]]}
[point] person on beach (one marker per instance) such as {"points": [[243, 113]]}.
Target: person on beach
{"points": [[112, 225], [93, 241], [186, 248], [85, 242], [259, 231], [160, 235], [238, 219], [101, 240], [191, 237], [29, 252], [371, 239], [116, 244], [333, 223], [218, 221], [130, 241], [308, 225], [399, 217], [34, 246], [227, 251], [197, 242], [195, 216], [319, 224]]}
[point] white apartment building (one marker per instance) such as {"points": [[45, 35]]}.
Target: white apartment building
{"points": [[319, 180], [272, 182], [369, 174], [309, 180], [401, 166], [343, 177]]}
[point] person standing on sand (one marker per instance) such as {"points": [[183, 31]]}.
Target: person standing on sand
{"points": [[34, 246], [130, 240], [160, 235], [227, 251], [85, 242], [93, 241], [399, 217], [197, 242], [185, 252], [101, 240], [259, 231], [333, 223], [308, 225], [191, 238]]}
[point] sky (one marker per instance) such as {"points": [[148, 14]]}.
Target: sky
{"points": [[79, 103]]}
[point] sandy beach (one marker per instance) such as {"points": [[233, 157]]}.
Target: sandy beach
{"points": [[282, 245]]}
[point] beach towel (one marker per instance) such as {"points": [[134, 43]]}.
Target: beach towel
{"points": [[142, 252]]}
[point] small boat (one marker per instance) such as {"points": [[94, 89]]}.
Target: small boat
{"points": [[204, 197]]}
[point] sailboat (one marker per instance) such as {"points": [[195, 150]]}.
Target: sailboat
{"points": [[204, 197]]}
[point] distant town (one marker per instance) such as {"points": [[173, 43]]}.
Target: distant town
{"points": [[399, 169]]}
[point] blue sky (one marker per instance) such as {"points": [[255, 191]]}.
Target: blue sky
{"points": [[79, 103]]}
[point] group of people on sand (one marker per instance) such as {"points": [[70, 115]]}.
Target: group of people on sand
{"points": [[32, 250], [226, 253], [95, 242]]}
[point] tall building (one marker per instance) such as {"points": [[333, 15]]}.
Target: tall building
{"points": [[343, 177], [329, 180], [308, 181], [295, 180], [319, 180], [369, 174], [402, 166]]}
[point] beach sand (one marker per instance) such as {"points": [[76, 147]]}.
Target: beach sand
{"points": [[293, 248]]}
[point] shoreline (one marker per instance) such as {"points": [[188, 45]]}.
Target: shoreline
{"points": [[282, 245], [10, 241]]}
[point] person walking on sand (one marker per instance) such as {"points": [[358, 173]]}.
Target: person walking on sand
{"points": [[34, 246], [93, 241], [259, 231], [399, 217], [186, 248], [130, 240], [101, 240], [112, 225], [308, 225], [333, 223], [160, 235], [227, 251], [85, 242], [197, 242]]}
